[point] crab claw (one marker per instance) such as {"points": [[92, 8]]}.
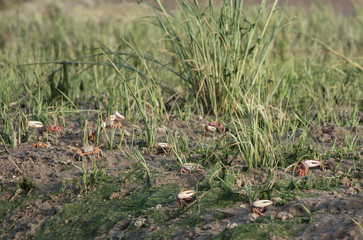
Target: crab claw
{"points": [[35, 124], [312, 163], [117, 117], [186, 194], [120, 117], [162, 145], [261, 203], [162, 148], [210, 128], [309, 163]]}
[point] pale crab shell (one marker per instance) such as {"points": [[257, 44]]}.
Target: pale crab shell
{"points": [[312, 163], [87, 149], [261, 203], [186, 194], [35, 124]]}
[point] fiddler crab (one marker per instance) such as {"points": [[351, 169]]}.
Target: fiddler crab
{"points": [[302, 168], [213, 127], [87, 150], [258, 207], [41, 144], [163, 148], [48, 129], [191, 167], [185, 197], [114, 121]]}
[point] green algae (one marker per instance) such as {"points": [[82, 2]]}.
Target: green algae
{"points": [[96, 213], [263, 228]]}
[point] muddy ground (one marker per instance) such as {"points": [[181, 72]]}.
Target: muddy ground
{"points": [[59, 207], [328, 204]]}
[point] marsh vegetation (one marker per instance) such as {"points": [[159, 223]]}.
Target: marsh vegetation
{"points": [[285, 81]]}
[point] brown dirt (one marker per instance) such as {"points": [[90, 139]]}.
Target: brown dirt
{"points": [[337, 214]]}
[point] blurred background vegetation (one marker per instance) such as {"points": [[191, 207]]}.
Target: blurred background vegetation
{"points": [[259, 64]]}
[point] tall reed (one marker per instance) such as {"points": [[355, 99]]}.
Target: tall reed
{"points": [[220, 54]]}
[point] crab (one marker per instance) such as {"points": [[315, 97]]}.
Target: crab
{"points": [[114, 121], [41, 144], [163, 148], [214, 127], [87, 150], [191, 167], [258, 207], [52, 128], [302, 168], [185, 197]]}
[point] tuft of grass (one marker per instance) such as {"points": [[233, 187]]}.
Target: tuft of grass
{"points": [[140, 164], [26, 185], [89, 177], [220, 53]]}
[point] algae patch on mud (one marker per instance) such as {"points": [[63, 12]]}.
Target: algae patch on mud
{"points": [[96, 213], [4, 208], [261, 229]]}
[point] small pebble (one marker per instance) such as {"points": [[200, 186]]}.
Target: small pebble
{"points": [[232, 225], [252, 217], [139, 222], [350, 191], [284, 216], [276, 200]]}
